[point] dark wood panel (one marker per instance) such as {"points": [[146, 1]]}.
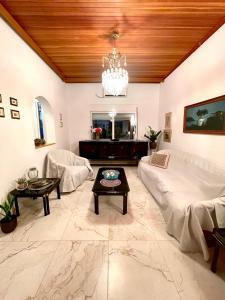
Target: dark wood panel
{"points": [[72, 36], [113, 150]]}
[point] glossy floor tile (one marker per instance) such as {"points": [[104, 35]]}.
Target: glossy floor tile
{"points": [[137, 270], [78, 271]]}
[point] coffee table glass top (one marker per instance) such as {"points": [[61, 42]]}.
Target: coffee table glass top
{"points": [[121, 188]]}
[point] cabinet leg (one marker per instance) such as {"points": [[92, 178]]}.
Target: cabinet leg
{"points": [[124, 204], [215, 258], [96, 204]]}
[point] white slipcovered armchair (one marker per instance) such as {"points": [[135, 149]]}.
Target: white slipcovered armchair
{"points": [[72, 169]]}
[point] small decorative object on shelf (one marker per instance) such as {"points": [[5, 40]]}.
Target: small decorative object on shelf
{"points": [[110, 174], [9, 221], [21, 183], [152, 135], [97, 131], [33, 174], [39, 142]]}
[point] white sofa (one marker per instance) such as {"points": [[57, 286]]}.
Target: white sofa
{"points": [[190, 193]]}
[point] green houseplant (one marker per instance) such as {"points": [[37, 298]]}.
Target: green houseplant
{"points": [[9, 221], [21, 183], [152, 135]]}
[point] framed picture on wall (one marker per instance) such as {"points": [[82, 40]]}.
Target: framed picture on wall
{"points": [[168, 117], [0, 98], [206, 117], [15, 114], [167, 133], [2, 112], [13, 101]]}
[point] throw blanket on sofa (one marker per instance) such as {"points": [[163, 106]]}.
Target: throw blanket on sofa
{"points": [[72, 169], [190, 194]]}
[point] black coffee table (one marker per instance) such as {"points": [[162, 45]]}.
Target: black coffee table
{"points": [[43, 192], [122, 189]]}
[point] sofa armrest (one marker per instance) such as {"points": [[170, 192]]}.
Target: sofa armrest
{"points": [[80, 161], [145, 159]]}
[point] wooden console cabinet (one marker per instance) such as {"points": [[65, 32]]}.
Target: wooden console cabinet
{"points": [[106, 150]]}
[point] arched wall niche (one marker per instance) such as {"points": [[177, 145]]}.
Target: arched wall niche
{"points": [[44, 121]]}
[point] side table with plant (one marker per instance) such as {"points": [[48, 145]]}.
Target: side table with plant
{"points": [[152, 135], [9, 221]]}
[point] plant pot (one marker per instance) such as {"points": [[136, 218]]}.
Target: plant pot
{"points": [[8, 226], [152, 145], [21, 186]]}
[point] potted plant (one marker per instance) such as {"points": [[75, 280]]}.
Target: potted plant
{"points": [[97, 131], [9, 221], [21, 183], [152, 135], [39, 142]]}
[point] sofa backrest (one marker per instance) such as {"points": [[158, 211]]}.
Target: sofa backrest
{"points": [[208, 176], [62, 156]]}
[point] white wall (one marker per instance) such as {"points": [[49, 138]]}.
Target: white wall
{"points": [[81, 99], [24, 76], [200, 77]]}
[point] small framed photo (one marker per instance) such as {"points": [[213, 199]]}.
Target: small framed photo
{"points": [[0, 98], [13, 101], [2, 112], [168, 117], [167, 133], [15, 114]]}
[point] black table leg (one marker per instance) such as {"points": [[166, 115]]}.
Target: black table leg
{"points": [[17, 207], [47, 204], [96, 204], [124, 204], [44, 206], [58, 192], [215, 258]]}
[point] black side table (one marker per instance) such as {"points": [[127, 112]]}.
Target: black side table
{"points": [[219, 238], [42, 192]]}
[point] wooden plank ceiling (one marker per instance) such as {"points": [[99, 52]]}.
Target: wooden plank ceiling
{"points": [[156, 35]]}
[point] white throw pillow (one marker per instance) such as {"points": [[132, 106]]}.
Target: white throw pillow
{"points": [[159, 160]]}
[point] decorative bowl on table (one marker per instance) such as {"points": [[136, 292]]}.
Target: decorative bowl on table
{"points": [[110, 174]]}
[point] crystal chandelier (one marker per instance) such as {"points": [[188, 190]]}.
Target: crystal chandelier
{"points": [[115, 76]]}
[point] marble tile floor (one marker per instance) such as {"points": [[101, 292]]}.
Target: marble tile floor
{"points": [[75, 254]]}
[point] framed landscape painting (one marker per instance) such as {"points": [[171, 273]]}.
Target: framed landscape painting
{"points": [[206, 117]]}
